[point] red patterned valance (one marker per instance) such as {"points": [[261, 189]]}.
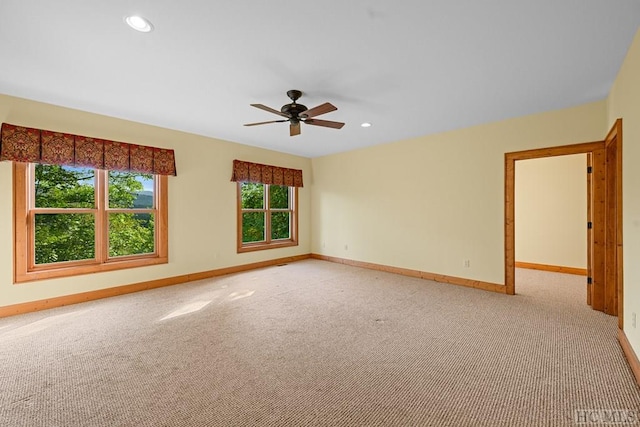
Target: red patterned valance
{"points": [[265, 174], [21, 144]]}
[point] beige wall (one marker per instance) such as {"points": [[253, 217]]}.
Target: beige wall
{"points": [[202, 201], [624, 102], [427, 203], [551, 211], [430, 203]]}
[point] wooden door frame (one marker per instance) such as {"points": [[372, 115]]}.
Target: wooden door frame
{"points": [[596, 152], [589, 230], [598, 217], [509, 196]]}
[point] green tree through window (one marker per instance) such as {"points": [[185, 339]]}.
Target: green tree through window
{"points": [[60, 236], [130, 233], [267, 215]]}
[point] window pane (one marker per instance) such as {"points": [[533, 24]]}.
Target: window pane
{"points": [[129, 190], [279, 195], [253, 227], [252, 195], [64, 187], [131, 234], [64, 237], [280, 225]]}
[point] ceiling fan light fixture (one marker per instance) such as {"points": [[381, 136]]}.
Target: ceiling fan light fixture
{"points": [[139, 23], [366, 125]]}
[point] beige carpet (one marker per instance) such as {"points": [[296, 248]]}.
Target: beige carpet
{"points": [[316, 343]]}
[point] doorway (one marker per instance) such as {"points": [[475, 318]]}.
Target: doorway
{"points": [[604, 263], [551, 213]]}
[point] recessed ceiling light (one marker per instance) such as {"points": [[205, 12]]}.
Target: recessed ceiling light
{"points": [[366, 125], [139, 23]]}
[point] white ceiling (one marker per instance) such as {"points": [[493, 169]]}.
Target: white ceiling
{"points": [[410, 67]]}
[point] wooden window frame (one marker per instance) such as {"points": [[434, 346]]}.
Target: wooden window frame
{"points": [[25, 269], [268, 243]]}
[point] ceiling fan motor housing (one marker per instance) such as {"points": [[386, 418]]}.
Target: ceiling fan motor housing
{"points": [[294, 110]]}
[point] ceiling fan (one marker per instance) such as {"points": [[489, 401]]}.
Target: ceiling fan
{"points": [[297, 113]]}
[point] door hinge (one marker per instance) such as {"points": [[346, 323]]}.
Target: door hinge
{"points": [[589, 281], [589, 169], [589, 225]]}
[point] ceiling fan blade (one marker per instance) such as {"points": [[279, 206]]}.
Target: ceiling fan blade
{"points": [[320, 109], [294, 129], [264, 123], [325, 123], [269, 109]]}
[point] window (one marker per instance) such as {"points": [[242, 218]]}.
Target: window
{"points": [[267, 205], [76, 220], [267, 216]]}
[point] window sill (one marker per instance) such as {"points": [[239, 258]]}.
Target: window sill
{"points": [[260, 246], [70, 271]]}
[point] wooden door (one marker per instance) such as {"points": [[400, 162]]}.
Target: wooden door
{"points": [[613, 268], [605, 254]]}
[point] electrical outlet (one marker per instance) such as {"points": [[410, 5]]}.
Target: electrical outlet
{"points": [[633, 320], [466, 263], [346, 247]]}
